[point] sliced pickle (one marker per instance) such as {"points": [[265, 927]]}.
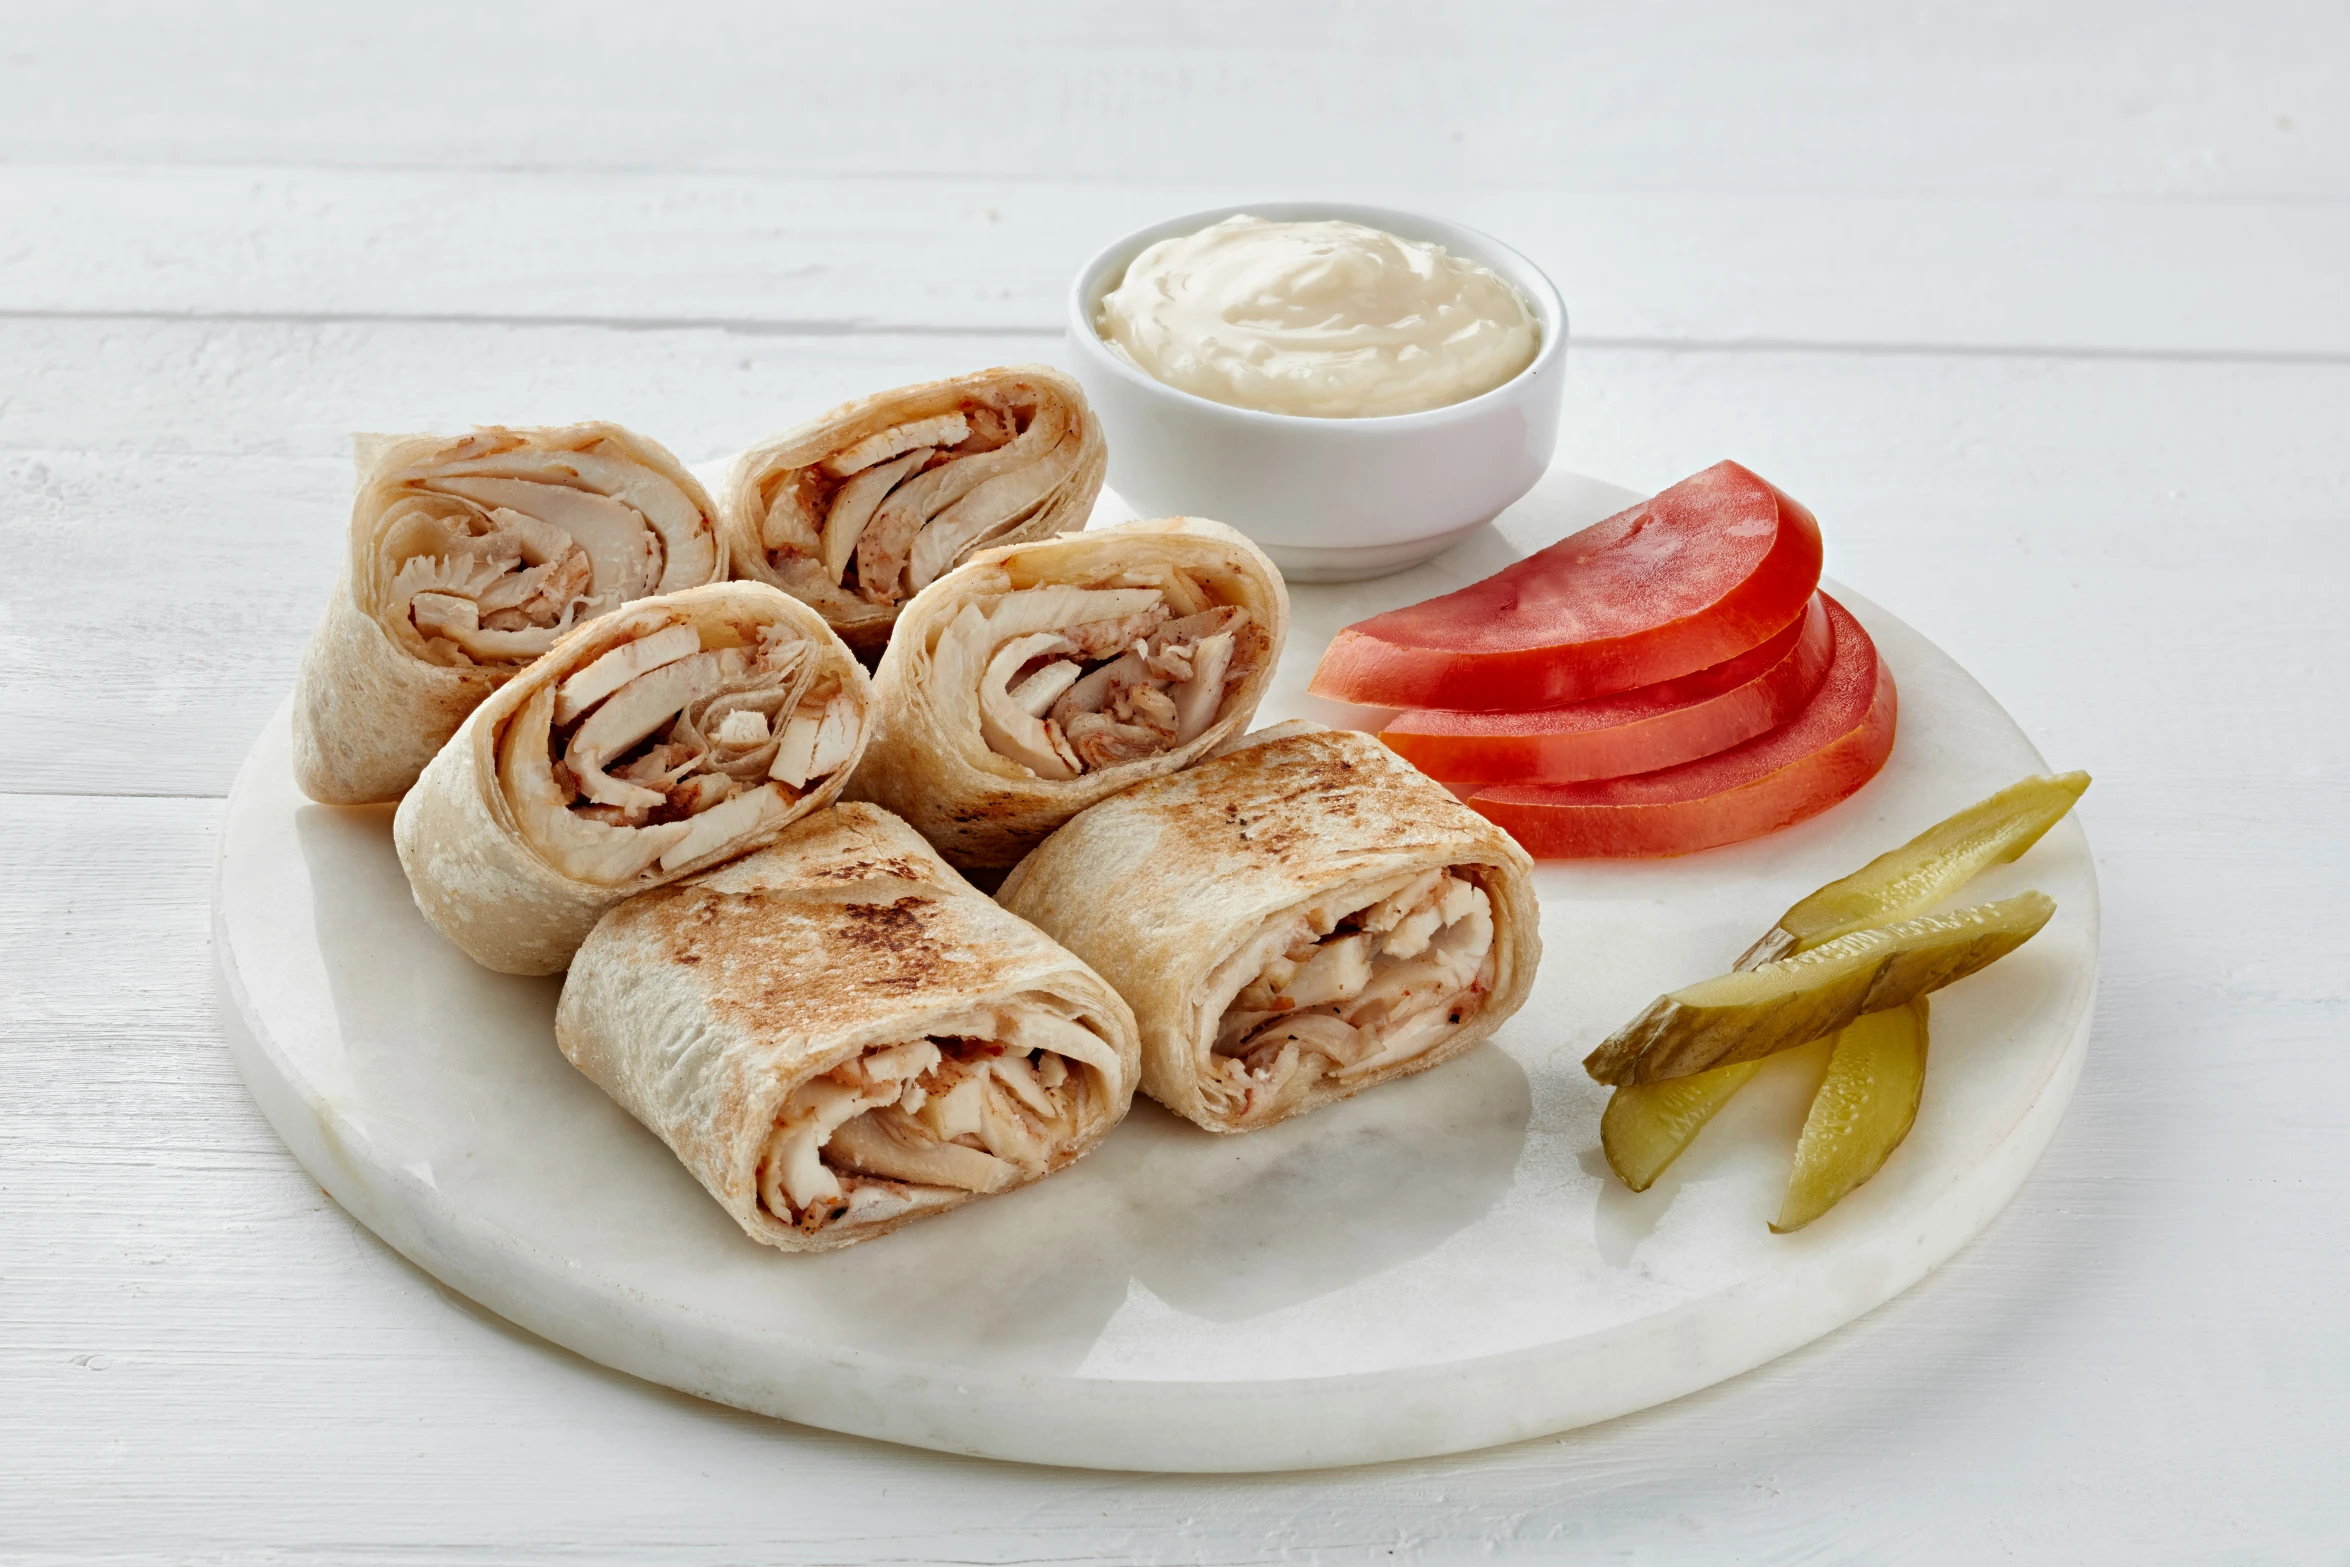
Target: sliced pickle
{"points": [[1746, 1015], [1864, 1108], [1646, 1125], [1922, 872]]}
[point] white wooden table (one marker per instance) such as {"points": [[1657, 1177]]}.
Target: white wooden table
{"points": [[2045, 310]]}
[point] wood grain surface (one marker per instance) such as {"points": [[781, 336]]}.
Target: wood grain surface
{"points": [[2046, 310]]}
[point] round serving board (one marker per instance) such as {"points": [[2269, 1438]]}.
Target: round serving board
{"points": [[1441, 1264]]}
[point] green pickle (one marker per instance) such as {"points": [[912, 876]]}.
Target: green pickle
{"points": [[1864, 1108], [1922, 872], [1756, 1012], [1649, 1123], [1646, 1125]]}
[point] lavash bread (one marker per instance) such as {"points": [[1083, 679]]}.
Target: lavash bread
{"points": [[859, 508], [497, 839], [379, 693], [726, 1010], [1181, 890], [932, 762]]}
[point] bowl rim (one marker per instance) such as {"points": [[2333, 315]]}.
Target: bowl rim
{"points": [[1093, 280]]}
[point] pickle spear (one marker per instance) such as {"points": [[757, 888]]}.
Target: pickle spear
{"points": [[1646, 1125], [1746, 1015], [1922, 872], [1864, 1108]]}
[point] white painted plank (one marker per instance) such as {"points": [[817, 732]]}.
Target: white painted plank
{"points": [[2069, 529], [2003, 98], [205, 1359], [175, 499], [763, 254]]}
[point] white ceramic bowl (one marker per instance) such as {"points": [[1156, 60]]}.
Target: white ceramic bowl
{"points": [[1329, 499]]}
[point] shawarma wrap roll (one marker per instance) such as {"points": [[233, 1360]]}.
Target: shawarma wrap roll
{"points": [[1034, 680], [1294, 921], [860, 509], [648, 744], [469, 556], [839, 1035]]}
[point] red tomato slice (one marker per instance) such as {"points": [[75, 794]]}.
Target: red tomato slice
{"points": [[1694, 576], [1639, 731], [1775, 780]]}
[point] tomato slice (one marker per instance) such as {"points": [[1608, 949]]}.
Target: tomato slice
{"points": [[1822, 755], [1639, 731], [1699, 574]]}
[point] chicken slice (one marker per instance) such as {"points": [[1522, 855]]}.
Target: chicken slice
{"points": [[1010, 729], [578, 846], [1398, 1044], [743, 728], [994, 506], [1036, 695], [890, 1144], [1315, 1032], [792, 1173], [1198, 698], [836, 736], [819, 737], [941, 430], [445, 615], [585, 688], [625, 554], [739, 817], [1020, 1079], [792, 522], [683, 547], [634, 711], [883, 553], [1338, 971], [853, 507], [795, 749]]}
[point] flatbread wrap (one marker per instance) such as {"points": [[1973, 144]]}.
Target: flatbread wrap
{"points": [[1034, 680], [860, 509], [838, 1035], [646, 745], [469, 556], [1294, 921]]}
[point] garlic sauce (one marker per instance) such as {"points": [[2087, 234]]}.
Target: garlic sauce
{"points": [[1328, 319]]}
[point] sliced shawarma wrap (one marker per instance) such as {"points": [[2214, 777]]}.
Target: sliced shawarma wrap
{"points": [[1034, 680], [839, 1035], [861, 508], [1299, 919], [651, 743], [470, 555]]}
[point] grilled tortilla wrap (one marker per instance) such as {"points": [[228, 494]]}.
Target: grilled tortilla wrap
{"points": [[1297, 920], [860, 509], [648, 744], [469, 556], [838, 1035], [1034, 680]]}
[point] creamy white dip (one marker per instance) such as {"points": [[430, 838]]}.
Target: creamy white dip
{"points": [[1329, 319]]}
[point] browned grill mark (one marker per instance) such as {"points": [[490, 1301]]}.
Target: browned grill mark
{"points": [[895, 928], [899, 869]]}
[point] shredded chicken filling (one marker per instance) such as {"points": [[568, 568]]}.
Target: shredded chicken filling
{"points": [[1342, 990], [920, 1124], [497, 547], [1072, 680], [661, 751], [886, 516]]}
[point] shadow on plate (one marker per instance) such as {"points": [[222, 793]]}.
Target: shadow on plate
{"points": [[1224, 1228], [457, 1067]]}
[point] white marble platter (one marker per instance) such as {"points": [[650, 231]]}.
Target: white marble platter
{"points": [[1442, 1264]]}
